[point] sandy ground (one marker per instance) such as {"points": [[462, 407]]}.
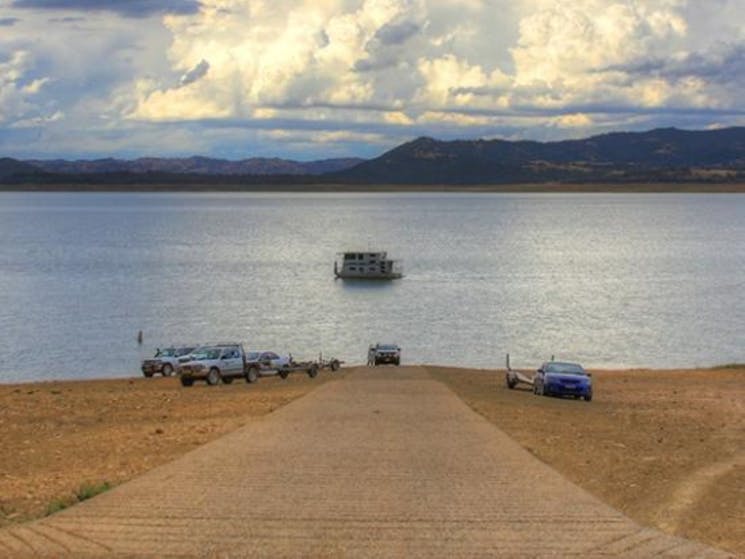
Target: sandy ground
{"points": [[665, 447], [56, 436]]}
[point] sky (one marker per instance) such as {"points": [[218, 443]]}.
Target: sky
{"points": [[311, 79]]}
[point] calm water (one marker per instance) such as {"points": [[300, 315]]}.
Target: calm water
{"points": [[605, 279]]}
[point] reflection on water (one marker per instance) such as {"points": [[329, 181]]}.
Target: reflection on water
{"points": [[606, 279]]}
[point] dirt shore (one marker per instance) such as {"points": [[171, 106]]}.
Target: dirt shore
{"points": [[57, 436], [665, 447]]}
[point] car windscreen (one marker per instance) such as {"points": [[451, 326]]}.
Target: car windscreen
{"points": [[252, 356], [565, 369], [166, 352], [205, 354], [387, 348], [184, 351]]}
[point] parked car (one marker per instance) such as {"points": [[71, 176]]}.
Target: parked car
{"points": [[261, 363], [562, 379], [166, 361], [214, 363], [380, 354]]}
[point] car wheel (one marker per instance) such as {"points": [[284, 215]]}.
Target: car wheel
{"points": [[252, 375], [185, 381], [227, 380], [284, 372], [213, 377], [148, 374], [334, 365], [588, 397], [313, 371], [167, 370]]}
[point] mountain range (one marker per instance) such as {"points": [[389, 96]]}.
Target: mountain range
{"points": [[195, 165], [661, 155]]}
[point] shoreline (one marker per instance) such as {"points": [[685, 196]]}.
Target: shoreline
{"points": [[664, 446], [625, 188], [486, 370]]}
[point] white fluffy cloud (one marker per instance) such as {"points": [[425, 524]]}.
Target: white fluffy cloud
{"points": [[394, 68], [17, 89]]}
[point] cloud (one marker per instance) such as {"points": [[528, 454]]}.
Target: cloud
{"points": [[126, 8], [723, 64], [18, 87], [397, 33], [390, 68], [8, 21], [67, 19], [196, 73]]}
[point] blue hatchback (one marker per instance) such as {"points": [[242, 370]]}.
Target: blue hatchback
{"points": [[563, 379]]}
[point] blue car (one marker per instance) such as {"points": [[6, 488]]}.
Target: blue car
{"points": [[562, 379]]}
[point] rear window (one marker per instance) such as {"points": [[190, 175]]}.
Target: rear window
{"points": [[565, 368]]}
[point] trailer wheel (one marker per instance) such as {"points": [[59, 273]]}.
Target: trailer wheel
{"points": [[252, 375], [335, 365], [313, 371], [213, 377], [511, 383]]}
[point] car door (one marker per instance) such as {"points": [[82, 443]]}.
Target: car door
{"points": [[232, 362]]}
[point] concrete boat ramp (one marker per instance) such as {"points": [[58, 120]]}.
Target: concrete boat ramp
{"points": [[383, 463]]}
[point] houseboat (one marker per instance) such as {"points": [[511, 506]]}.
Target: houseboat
{"points": [[367, 265]]}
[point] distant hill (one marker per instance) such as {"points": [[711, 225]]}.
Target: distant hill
{"points": [[195, 166], [10, 167], [658, 155]]}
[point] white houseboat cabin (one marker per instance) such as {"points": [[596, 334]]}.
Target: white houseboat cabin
{"points": [[367, 265]]}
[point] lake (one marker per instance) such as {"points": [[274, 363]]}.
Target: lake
{"points": [[609, 280]]}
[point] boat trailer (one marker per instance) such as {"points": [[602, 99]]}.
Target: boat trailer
{"points": [[513, 377], [310, 368]]}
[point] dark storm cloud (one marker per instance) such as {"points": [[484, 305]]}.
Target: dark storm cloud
{"points": [[384, 49], [480, 91], [126, 8], [69, 19], [8, 21], [721, 66], [397, 33], [196, 73], [373, 64]]}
